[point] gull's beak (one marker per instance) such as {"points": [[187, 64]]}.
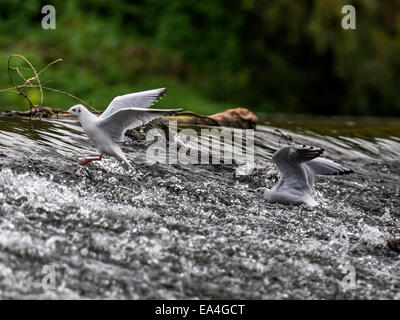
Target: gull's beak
{"points": [[252, 190], [65, 112]]}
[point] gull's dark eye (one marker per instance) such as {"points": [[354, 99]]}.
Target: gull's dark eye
{"points": [[73, 110]]}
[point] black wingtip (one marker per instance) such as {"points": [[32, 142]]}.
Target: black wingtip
{"points": [[162, 92], [306, 149]]}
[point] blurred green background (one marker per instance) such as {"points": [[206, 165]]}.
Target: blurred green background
{"points": [[269, 56]]}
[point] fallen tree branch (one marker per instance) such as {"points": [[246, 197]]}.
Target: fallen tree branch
{"points": [[34, 82]]}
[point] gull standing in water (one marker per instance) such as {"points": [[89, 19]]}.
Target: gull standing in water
{"points": [[298, 166], [124, 112]]}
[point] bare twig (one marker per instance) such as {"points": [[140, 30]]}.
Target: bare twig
{"points": [[67, 94], [24, 94], [34, 82], [50, 64], [13, 88], [19, 72], [288, 138]]}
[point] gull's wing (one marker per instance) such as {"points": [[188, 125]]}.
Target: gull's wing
{"points": [[290, 161], [137, 100], [327, 167], [118, 122]]}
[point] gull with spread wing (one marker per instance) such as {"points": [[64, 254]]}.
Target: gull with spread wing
{"points": [[124, 112], [298, 166]]}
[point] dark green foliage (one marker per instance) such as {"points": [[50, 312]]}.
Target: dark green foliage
{"points": [[282, 55]]}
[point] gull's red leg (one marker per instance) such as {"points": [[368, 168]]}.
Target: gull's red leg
{"points": [[86, 161]]}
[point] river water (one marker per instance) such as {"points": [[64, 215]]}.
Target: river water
{"points": [[194, 231]]}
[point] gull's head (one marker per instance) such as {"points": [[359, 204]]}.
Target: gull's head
{"points": [[76, 110], [260, 192]]}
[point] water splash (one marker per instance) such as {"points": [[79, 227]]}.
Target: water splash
{"points": [[192, 231]]}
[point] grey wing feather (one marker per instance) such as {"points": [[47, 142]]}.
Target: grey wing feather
{"points": [[310, 175], [117, 123], [290, 161], [325, 166], [143, 99]]}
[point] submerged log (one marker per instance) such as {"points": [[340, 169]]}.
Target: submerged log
{"points": [[236, 118], [43, 112]]}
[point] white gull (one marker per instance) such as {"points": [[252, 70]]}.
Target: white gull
{"points": [[124, 112], [298, 166]]}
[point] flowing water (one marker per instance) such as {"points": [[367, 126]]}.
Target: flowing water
{"points": [[194, 231]]}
